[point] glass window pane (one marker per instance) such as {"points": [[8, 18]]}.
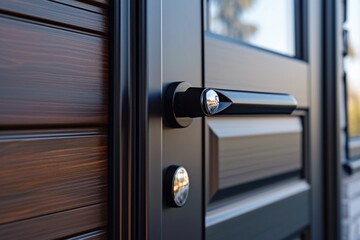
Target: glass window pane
{"points": [[262, 23], [352, 67]]}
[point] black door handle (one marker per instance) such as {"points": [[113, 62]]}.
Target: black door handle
{"points": [[184, 102]]}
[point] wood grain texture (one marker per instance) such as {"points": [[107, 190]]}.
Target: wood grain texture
{"points": [[51, 76], [232, 66], [57, 225], [68, 13], [252, 148], [45, 174], [95, 6]]}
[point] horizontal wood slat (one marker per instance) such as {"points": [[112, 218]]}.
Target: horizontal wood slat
{"points": [[54, 86], [100, 2], [68, 13], [87, 5], [57, 225], [51, 76], [253, 148], [43, 175]]}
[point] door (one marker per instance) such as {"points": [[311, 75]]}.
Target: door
{"points": [[239, 82]]}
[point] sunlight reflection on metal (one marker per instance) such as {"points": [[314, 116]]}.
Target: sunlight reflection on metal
{"points": [[181, 186]]}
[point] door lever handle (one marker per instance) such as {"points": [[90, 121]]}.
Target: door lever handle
{"points": [[184, 102]]}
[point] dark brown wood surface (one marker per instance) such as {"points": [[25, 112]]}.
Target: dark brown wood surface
{"points": [[51, 76], [94, 6], [65, 13], [41, 175], [53, 119], [57, 225]]}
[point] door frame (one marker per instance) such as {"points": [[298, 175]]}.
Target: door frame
{"points": [[119, 121], [332, 77], [128, 127], [135, 118]]}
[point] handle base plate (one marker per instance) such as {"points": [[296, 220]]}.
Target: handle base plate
{"points": [[169, 101]]}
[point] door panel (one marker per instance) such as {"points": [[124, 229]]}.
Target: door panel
{"points": [[255, 177], [276, 212], [255, 165], [230, 65], [246, 149]]}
